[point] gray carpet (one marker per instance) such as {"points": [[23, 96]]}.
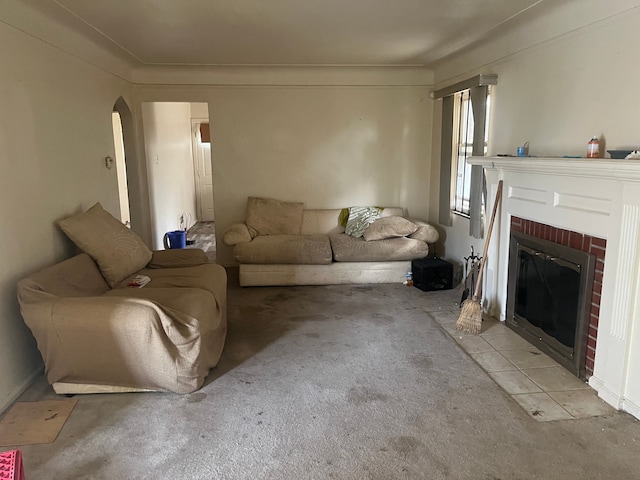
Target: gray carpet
{"points": [[343, 382]]}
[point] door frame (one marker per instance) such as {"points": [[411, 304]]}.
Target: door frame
{"points": [[195, 133]]}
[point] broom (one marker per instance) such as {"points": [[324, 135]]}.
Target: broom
{"points": [[470, 320]]}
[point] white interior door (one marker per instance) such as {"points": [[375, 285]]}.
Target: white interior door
{"points": [[203, 173]]}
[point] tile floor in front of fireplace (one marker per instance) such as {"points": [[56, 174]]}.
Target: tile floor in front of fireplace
{"points": [[545, 389]]}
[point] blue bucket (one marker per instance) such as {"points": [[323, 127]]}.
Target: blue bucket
{"points": [[175, 239]]}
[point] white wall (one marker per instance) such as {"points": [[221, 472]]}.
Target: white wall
{"points": [[55, 130], [199, 110], [562, 78], [167, 139], [328, 146]]}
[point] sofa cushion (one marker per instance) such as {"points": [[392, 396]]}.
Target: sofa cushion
{"points": [[266, 216], [285, 249], [117, 250], [351, 249], [389, 227]]}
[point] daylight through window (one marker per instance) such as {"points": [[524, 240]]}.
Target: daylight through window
{"points": [[462, 148]]}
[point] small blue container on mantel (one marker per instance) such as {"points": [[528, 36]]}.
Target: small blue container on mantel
{"points": [[523, 151]]}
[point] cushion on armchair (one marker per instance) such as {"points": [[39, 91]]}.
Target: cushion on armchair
{"points": [[117, 250]]}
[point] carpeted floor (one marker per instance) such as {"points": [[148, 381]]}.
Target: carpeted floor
{"points": [[344, 382]]}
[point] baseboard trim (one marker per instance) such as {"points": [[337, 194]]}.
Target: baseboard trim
{"points": [[8, 400], [631, 408]]}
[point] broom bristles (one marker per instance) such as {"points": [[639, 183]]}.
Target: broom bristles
{"points": [[470, 320]]}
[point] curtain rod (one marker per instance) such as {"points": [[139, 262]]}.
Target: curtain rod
{"points": [[477, 81]]}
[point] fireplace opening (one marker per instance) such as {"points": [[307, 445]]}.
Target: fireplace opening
{"points": [[549, 298]]}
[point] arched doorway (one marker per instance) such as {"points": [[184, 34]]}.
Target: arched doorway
{"points": [[121, 169], [132, 180]]}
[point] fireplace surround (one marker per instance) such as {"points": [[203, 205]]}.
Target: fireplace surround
{"points": [[591, 198]]}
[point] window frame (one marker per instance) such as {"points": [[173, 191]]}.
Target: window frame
{"points": [[479, 93], [461, 150]]}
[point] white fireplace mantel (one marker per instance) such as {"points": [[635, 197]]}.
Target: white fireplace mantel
{"points": [[598, 197]]}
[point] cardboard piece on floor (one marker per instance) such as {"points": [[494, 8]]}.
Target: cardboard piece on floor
{"points": [[31, 423]]}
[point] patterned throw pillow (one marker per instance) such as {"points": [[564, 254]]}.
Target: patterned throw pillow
{"points": [[360, 218], [117, 250]]}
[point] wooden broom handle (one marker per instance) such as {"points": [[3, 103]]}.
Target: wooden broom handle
{"points": [[486, 243]]}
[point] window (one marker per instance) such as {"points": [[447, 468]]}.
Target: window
{"points": [[462, 148], [465, 113]]}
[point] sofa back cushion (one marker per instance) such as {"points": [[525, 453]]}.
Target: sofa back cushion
{"points": [[117, 250], [321, 221], [266, 216]]}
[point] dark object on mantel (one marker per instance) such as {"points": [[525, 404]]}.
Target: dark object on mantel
{"points": [[431, 274], [619, 153]]}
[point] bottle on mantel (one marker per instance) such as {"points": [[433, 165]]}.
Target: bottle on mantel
{"points": [[593, 147]]}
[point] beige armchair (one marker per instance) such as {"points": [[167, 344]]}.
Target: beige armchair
{"points": [[95, 336]]}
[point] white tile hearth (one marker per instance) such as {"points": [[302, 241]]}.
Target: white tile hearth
{"points": [[555, 379], [514, 382], [506, 341], [474, 344], [493, 361], [542, 407], [529, 357], [543, 388]]}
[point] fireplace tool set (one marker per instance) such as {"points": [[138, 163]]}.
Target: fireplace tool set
{"points": [[471, 271]]}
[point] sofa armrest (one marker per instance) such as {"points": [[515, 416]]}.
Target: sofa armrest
{"points": [[236, 234], [426, 232], [177, 257]]}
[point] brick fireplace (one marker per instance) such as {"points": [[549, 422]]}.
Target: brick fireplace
{"points": [[586, 243], [592, 205]]}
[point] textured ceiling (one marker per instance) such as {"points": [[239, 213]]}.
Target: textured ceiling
{"points": [[288, 32]]}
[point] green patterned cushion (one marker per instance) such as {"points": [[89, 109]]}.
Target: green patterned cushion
{"points": [[360, 218]]}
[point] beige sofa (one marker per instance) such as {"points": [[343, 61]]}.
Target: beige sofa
{"points": [[96, 333], [281, 243]]}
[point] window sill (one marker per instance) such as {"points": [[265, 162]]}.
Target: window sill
{"points": [[460, 214]]}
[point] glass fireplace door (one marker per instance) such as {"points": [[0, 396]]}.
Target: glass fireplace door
{"points": [[548, 299]]}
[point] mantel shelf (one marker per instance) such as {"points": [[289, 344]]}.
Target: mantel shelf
{"points": [[617, 169]]}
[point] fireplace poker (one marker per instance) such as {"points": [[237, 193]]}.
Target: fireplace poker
{"points": [[465, 292], [469, 275]]}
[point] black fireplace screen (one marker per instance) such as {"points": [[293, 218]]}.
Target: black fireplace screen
{"points": [[549, 292]]}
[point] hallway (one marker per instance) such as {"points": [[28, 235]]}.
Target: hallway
{"points": [[203, 235]]}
